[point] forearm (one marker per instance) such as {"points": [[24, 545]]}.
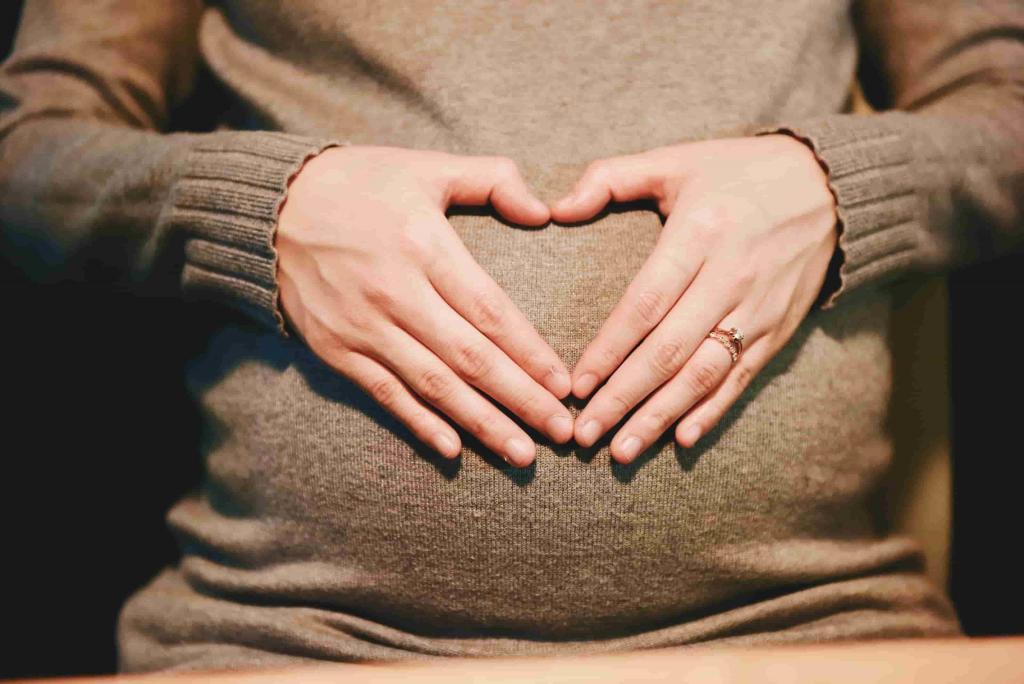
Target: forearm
{"points": [[934, 181], [163, 213], [92, 186]]}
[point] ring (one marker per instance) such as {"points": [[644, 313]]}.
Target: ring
{"points": [[731, 338]]}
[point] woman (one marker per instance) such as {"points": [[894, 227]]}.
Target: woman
{"points": [[389, 346]]}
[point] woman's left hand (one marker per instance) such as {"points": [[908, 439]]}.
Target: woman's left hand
{"points": [[750, 230]]}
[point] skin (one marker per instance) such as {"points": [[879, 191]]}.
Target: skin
{"points": [[375, 280], [750, 229]]}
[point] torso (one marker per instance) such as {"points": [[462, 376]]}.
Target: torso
{"points": [[317, 500]]}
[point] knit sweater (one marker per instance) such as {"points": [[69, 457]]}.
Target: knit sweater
{"points": [[323, 530]]}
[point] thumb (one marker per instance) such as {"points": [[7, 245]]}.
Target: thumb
{"points": [[481, 178], [618, 179]]}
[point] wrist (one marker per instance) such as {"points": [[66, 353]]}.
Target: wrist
{"points": [[819, 172]]}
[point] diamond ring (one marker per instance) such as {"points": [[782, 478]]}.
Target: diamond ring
{"points": [[731, 338]]}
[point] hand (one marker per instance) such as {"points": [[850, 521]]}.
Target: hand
{"points": [[750, 230], [376, 281]]}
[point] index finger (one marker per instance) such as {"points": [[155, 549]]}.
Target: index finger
{"points": [[658, 357], [471, 291], [667, 272]]}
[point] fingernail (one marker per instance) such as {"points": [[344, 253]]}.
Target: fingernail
{"points": [[584, 384], [445, 444], [560, 427], [691, 434], [518, 451], [630, 447], [590, 432]]}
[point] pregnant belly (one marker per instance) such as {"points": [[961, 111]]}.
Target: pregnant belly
{"points": [[316, 496]]}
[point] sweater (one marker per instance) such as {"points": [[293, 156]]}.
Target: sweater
{"points": [[323, 530]]}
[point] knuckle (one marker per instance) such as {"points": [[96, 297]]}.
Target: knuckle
{"points": [[525, 404], [437, 385], [667, 357], [657, 421], [337, 339], [707, 232], [678, 260], [415, 244], [536, 364], [621, 404], [649, 307], [743, 265], [546, 371], [506, 167], [776, 312], [744, 374], [710, 221], [364, 338], [703, 233], [362, 320], [322, 335], [483, 426], [419, 421], [385, 392], [744, 278], [722, 215], [597, 170], [702, 379], [663, 191], [609, 357], [378, 295], [488, 311], [472, 360]]}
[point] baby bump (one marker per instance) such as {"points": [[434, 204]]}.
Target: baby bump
{"points": [[316, 495]]}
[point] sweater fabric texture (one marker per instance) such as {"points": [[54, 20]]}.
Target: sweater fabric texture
{"points": [[323, 530]]}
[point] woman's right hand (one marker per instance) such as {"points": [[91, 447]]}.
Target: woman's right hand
{"points": [[378, 284]]}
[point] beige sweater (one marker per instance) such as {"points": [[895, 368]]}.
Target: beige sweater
{"points": [[323, 530]]}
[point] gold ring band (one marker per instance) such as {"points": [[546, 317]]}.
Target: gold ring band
{"points": [[731, 338]]}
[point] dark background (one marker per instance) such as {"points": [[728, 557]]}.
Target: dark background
{"points": [[92, 373]]}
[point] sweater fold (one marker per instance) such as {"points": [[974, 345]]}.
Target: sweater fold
{"points": [[870, 173], [323, 528], [227, 200]]}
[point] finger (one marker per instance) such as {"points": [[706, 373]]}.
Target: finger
{"points": [[479, 179], [478, 361], [393, 395], [438, 384], [706, 413], [660, 356], [619, 179], [701, 373], [472, 292], [667, 272]]}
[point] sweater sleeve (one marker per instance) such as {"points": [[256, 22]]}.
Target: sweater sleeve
{"points": [[934, 180], [93, 186]]}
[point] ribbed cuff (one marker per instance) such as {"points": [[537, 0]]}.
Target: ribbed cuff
{"points": [[868, 163], [226, 201]]}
